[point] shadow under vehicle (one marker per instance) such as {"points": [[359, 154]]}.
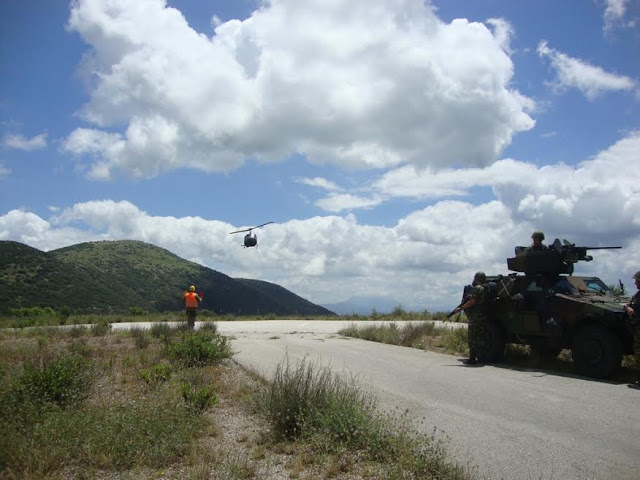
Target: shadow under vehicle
{"points": [[543, 305]]}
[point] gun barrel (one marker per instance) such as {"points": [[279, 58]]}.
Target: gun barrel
{"points": [[600, 248]]}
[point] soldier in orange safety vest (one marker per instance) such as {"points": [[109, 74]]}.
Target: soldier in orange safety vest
{"points": [[191, 302]]}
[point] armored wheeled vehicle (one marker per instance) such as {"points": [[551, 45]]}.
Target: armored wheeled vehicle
{"points": [[545, 306]]}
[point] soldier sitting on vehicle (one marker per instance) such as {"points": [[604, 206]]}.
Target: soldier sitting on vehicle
{"points": [[540, 293], [538, 238], [537, 245]]}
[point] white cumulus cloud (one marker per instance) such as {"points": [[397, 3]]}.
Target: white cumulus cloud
{"points": [[337, 202], [319, 182], [349, 83], [575, 73], [4, 171], [614, 14], [20, 142]]}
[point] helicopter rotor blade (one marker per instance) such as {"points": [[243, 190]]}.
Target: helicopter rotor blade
{"points": [[263, 225], [240, 231], [249, 229]]}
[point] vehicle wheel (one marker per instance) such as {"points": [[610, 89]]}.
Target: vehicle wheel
{"points": [[597, 351], [495, 342]]}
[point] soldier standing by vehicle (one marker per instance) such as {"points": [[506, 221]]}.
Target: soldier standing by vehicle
{"points": [[191, 301], [476, 310], [633, 310]]}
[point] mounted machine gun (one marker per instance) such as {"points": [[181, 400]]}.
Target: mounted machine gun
{"points": [[559, 258]]}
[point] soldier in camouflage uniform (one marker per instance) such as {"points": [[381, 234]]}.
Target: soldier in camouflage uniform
{"points": [[633, 310], [538, 238], [476, 310]]}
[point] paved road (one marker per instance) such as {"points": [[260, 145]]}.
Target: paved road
{"points": [[509, 423]]}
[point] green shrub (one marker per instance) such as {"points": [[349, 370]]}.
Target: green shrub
{"points": [[455, 341], [162, 331], [137, 311], [101, 328], [64, 312], [153, 376], [33, 312], [398, 311], [194, 348], [140, 338], [306, 401], [77, 331], [411, 333], [65, 380], [209, 326], [198, 398], [79, 346]]}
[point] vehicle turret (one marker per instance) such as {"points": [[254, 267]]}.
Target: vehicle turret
{"points": [[556, 259]]}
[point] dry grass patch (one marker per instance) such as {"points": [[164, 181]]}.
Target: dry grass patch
{"points": [[423, 335]]}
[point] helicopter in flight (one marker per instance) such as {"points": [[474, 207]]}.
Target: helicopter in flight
{"points": [[250, 239]]}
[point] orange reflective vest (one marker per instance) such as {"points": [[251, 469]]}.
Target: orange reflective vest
{"points": [[190, 299]]}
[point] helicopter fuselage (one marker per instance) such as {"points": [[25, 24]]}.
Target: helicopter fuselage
{"points": [[250, 240]]}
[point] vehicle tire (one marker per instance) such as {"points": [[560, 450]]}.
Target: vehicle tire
{"points": [[596, 351], [495, 342]]}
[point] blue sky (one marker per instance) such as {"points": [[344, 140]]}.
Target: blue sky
{"points": [[399, 146]]}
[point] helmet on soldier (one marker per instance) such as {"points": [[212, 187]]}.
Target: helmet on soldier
{"points": [[637, 276], [538, 234], [479, 277]]}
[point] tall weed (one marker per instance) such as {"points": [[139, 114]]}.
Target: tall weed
{"points": [[209, 326], [156, 375], [163, 331], [65, 380], [197, 348], [101, 328], [456, 342], [140, 338], [198, 398], [307, 401]]}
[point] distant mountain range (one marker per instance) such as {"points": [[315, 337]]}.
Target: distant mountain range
{"points": [[112, 276], [365, 305]]}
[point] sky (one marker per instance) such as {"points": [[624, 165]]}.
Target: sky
{"points": [[399, 146]]}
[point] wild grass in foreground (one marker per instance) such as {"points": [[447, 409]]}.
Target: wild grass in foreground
{"points": [[84, 402], [308, 403], [79, 400]]}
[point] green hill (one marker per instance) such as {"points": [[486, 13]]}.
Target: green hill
{"points": [[111, 276]]}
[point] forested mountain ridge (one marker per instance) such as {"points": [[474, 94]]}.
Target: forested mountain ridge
{"points": [[112, 276]]}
